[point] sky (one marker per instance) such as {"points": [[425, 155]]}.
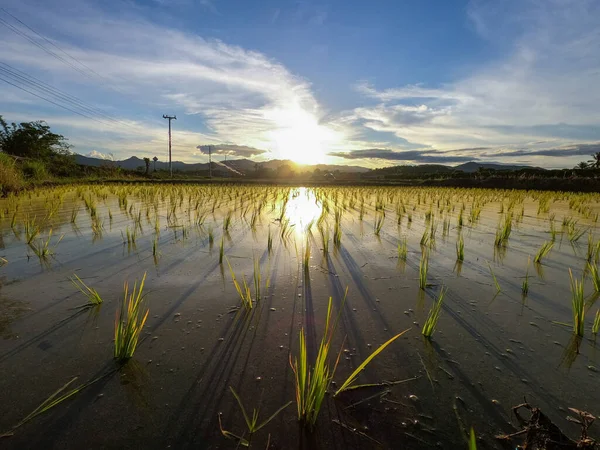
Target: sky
{"points": [[369, 83]]}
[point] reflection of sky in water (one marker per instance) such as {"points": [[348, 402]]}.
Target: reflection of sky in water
{"points": [[302, 208]]}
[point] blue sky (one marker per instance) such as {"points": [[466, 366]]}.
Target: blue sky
{"points": [[345, 82]]}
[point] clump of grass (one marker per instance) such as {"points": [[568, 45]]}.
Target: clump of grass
{"points": [[460, 248], [91, 294], [543, 251], [423, 268], [596, 325], [577, 304], [402, 250], [593, 269], [129, 321], [434, 315]]}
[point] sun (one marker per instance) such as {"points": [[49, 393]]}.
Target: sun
{"points": [[299, 137]]}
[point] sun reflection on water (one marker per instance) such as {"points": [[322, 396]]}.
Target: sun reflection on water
{"points": [[303, 207]]}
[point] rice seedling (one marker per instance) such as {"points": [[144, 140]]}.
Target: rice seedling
{"points": [[252, 421], [349, 383], [42, 248], [577, 304], [337, 229], [498, 288], [594, 275], [306, 258], [227, 221], [129, 321], [221, 249], [423, 268], [325, 240], [55, 399], [460, 248], [402, 249], [269, 242], [31, 229], [312, 383], [378, 224], [525, 285], [91, 294], [243, 292], [596, 324], [503, 231], [472, 440], [434, 315], [424, 238], [575, 234], [155, 246], [543, 251], [211, 236], [257, 279]]}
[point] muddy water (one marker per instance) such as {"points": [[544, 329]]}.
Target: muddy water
{"points": [[490, 350]]}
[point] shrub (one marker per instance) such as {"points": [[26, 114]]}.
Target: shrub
{"points": [[35, 170], [11, 178]]}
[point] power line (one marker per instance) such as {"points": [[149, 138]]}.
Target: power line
{"points": [[37, 44], [38, 85], [50, 101], [54, 45]]}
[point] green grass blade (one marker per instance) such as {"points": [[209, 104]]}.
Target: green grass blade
{"points": [[361, 367]]}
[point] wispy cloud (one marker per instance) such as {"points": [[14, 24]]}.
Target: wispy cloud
{"points": [[236, 95]]}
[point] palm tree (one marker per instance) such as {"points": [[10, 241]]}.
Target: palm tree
{"points": [[147, 162], [595, 162], [155, 159], [582, 166]]}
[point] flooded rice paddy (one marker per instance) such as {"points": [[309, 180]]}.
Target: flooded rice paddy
{"points": [[496, 341]]}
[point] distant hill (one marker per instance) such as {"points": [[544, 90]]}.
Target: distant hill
{"points": [[238, 166], [475, 166], [246, 166]]}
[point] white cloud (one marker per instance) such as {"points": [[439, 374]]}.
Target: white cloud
{"points": [[546, 88], [234, 92], [95, 154]]}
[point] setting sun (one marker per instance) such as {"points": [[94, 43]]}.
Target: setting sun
{"points": [[300, 138]]}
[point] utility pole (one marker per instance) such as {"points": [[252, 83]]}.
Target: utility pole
{"points": [[170, 118]]}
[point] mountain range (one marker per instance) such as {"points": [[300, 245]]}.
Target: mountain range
{"points": [[243, 166]]}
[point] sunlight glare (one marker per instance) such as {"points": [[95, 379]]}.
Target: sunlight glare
{"points": [[299, 136], [302, 209]]}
